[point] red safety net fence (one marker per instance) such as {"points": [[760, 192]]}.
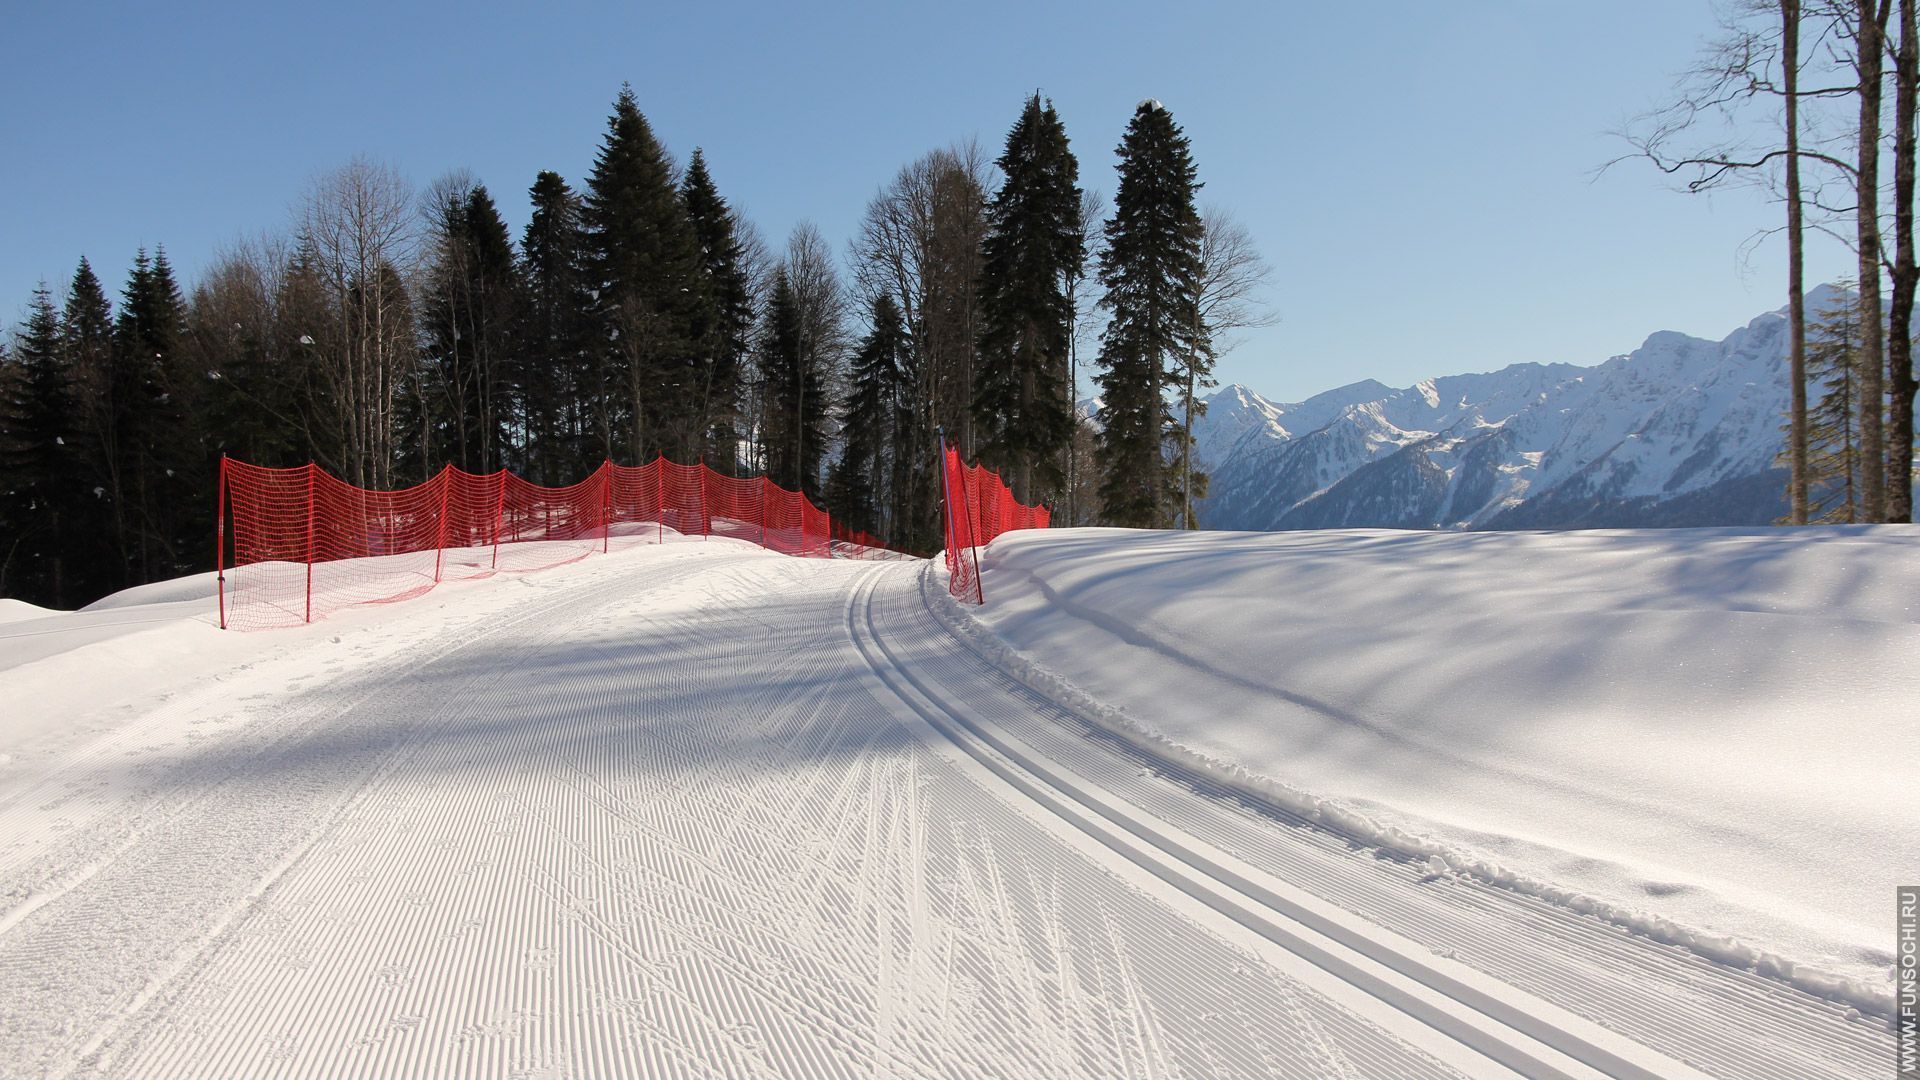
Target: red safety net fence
{"points": [[980, 507], [295, 544]]}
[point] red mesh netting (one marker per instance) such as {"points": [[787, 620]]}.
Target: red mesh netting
{"points": [[980, 507], [304, 543]]}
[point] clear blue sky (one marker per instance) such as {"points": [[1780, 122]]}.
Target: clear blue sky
{"points": [[1419, 175]]}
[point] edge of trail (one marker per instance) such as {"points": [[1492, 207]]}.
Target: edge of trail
{"points": [[1707, 1016], [1515, 1030]]}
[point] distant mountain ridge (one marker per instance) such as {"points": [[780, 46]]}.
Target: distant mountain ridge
{"points": [[1681, 431]]}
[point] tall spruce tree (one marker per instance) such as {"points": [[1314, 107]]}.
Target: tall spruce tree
{"points": [[11, 525], [794, 434], [560, 375], [42, 470], [878, 410], [1151, 270], [307, 330], [106, 388], [1834, 479], [1034, 249], [166, 451], [493, 310], [252, 404], [646, 286], [469, 310], [722, 324]]}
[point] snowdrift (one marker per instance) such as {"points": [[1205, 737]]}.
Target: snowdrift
{"points": [[1691, 733]]}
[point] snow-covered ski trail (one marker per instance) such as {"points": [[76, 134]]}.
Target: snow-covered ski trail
{"points": [[658, 823], [1522, 1033], [699, 810], [1707, 1016]]}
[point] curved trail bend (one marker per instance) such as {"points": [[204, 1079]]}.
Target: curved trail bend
{"points": [[697, 810]]}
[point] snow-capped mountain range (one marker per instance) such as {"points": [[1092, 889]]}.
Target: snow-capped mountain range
{"points": [[1681, 431]]}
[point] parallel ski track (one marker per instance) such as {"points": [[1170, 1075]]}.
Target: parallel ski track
{"points": [[1507, 1033], [1716, 1019], [652, 836]]}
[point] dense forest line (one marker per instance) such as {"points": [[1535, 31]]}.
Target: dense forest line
{"points": [[389, 332]]}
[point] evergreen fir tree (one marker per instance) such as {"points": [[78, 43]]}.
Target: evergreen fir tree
{"points": [[1151, 271], [41, 469], [1833, 426], [794, 435], [12, 524], [469, 311], [723, 318], [251, 405], [847, 496], [307, 327], [645, 282], [1033, 249], [163, 451], [878, 409], [560, 375], [494, 310], [106, 389]]}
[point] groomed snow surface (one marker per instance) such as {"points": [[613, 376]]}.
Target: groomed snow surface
{"points": [[1355, 804], [1692, 732]]}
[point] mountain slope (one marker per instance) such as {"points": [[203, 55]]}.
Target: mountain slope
{"points": [[1682, 431]]}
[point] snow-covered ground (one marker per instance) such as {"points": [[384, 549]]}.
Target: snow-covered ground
{"points": [[1694, 733], [693, 808]]}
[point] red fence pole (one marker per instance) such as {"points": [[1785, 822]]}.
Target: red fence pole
{"points": [[955, 559], [499, 510], [310, 469], [967, 515], [440, 541], [220, 540], [660, 496], [606, 506]]}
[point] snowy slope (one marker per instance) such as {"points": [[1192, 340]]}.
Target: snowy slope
{"points": [[692, 808], [1680, 431], [1685, 731], [648, 814]]}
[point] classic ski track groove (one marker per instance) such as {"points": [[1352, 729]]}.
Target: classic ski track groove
{"points": [[1714, 1018], [1497, 1027], [657, 823]]}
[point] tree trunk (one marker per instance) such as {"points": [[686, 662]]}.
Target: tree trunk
{"points": [[1073, 410], [1186, 453], [1796, 292], [1905, 277], [1869, 44]]}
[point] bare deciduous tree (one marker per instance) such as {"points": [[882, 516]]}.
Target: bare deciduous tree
{"points": [[822, 307], [919, 242], [1233, 277], [1905, 274], [1867, 27], [1851, 55], [1087, 318], [758, 264], [1797, 479], [359, 223]]}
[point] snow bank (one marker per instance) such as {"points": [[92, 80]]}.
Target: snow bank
{"points": [[66, 676], [16, 610], [1689, 733]]}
